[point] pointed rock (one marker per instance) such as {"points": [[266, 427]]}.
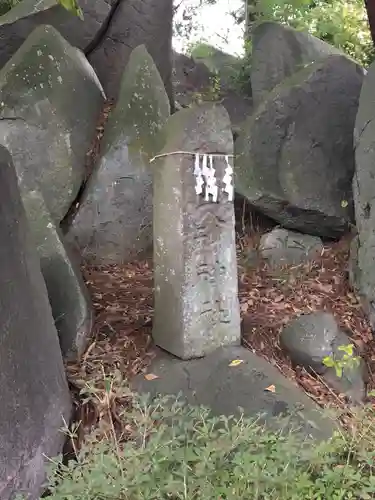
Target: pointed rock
{"points": [[20, 22], [114, 220], [49, 106], [33, 389], [363, 248], [69, 298]]}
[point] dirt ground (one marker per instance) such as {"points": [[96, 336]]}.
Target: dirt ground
{"points": [[122, 346]]}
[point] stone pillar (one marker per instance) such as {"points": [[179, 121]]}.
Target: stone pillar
{"points": [[195, 266]]}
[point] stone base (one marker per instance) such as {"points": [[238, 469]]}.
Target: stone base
{"points": [[211, 382]]}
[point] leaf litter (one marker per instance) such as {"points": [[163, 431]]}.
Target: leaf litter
{"points": [[121, 346]]}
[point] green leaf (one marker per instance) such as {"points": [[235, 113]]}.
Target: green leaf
{"points": [[338, 370], [348, 349], [328, 361], [107, 385], [73, 7]]}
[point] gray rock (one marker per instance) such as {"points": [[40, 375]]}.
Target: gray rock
{"points": [[190, 79], [135, 22], [353, 267], [279, 51], [211, 382], [363, 250], [193, 82], [195, 267], [33, 388], [295, 158], [218, 62], [20, 22], [50, 104], [309, 338], [282, 247], [114, 220], [69, 298]]}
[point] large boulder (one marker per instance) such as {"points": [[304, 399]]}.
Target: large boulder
{"points": [[363, 248], [295, 158], [67, 292], [50, 103], [194, 82], [33, 389], [114, 220], [20, 22], [135, 22], [191, 80], [226, 66], [279, 51]]}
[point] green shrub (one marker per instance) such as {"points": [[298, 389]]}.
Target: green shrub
{"points": [[178, 452], [6, 5]]}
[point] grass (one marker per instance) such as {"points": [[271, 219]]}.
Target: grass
{"points": [[173, 451]]}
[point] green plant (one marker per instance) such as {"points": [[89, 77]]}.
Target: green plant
{"points": [[342, 23], [347, 361], [6, 5], [178, 452], [211, 93], [71, 5]]}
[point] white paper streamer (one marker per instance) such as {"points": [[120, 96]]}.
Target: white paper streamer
{"points": [[199, 181], [228, 180], [211, 187]]}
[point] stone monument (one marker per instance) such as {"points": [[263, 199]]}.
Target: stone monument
{"points": [[195, 266]]}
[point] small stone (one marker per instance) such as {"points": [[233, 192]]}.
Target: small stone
{"points": [[282, 247], [310, 338]]}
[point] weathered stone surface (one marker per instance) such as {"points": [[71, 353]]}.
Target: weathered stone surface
{"points": [[309, 338], [135, 22], [190, 79], [193, 82], [295, 158], [225, 66], [69, 298], [114, 220], [33, 388], [195, 266], [354, 270], [49, 109], [282, 247], [211, 382], [279, 51], [21, 21], [363, 249]]}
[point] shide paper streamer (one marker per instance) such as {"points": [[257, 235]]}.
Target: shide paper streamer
{"points": [[204, 173]]}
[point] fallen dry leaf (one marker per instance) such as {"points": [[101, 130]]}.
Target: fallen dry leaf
{"points": [[270, 388], [236, 362], [151, 376]]}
